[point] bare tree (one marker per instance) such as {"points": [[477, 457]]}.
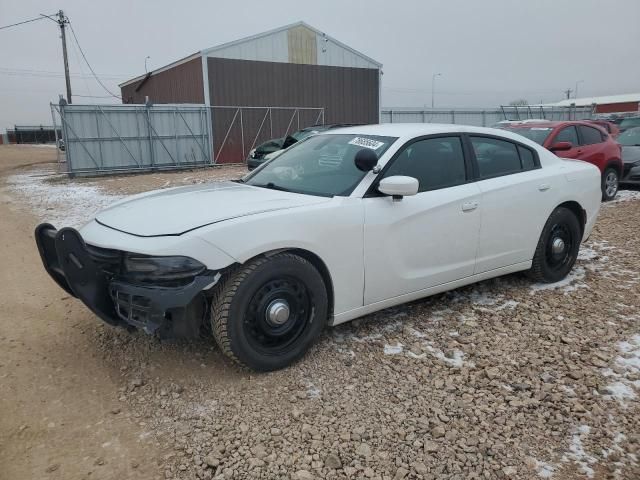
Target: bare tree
{"points": [[519, 102]]}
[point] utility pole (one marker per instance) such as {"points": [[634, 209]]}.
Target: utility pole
{"points": [[568, 93], [62, 22]]}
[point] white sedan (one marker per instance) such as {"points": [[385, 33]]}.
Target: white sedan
{"points": [[340, 225]]}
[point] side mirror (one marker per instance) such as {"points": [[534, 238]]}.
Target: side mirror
{"points": [[366, 159], [561, 146], [398, 186]]}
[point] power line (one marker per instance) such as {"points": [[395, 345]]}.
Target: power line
{"points": [[50, 74], [42, 17], [89, 65]]}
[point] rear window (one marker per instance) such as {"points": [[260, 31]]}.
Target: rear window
{"points": [[537, 134]]}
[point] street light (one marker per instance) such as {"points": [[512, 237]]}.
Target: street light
{"points": [[576, 90], [145, 64], [433, 82]]}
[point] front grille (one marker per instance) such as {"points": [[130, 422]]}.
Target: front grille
{"points": [[107, 260], [131, 308]]}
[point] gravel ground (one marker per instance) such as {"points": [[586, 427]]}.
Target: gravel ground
{"points": [[504, 379]]}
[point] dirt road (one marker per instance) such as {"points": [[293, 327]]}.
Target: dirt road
{"points": [[60, 415], [506, 379]]}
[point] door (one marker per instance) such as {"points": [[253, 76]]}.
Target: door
{"points": [[592, 143], [568, 134], [427, 239], [517, 195]]}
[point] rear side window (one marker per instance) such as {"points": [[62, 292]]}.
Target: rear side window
{"points": [[526, 158], [435, 162], [590, 135], [495, 157], [568, 134]]}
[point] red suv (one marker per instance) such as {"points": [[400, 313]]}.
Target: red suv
{"points": [[580, 140]]}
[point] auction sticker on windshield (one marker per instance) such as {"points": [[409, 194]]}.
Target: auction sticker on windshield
{"points": [[366, 142]]}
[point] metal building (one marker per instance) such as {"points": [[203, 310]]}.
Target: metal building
{"points": [[267, 86]]}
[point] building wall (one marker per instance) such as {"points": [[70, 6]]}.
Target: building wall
{"points": [[618, 107], [180, 84], [349, 95]]}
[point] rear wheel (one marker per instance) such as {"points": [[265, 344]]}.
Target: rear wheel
{"points": [[610, 183], [557, 248], [267, 313]]}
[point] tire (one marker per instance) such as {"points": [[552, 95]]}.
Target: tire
{"points": [[610, 184], [551, 264], [268, 312]]}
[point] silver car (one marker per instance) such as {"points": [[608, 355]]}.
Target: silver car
{"points": [[630, 142]]}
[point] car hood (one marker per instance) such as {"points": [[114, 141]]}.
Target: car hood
{"points": [[630, 154], [175, 211]]}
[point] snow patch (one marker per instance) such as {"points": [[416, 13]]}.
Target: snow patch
{"points": [[61, 204], [623, 388], [577, 453], [570, 283], [393, 349], [544, 470], [624, 196]]}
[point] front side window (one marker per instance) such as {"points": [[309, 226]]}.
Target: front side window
{"points": [[590, 135], [568, 134], [319, 165], [495, 157], [435, 162]]}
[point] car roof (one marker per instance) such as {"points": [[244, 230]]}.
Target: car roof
{"points": [[414, 129], [552, 124]]}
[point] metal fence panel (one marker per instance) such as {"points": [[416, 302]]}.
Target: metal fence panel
{"points": [[116, 138], [484, 118], [237, 130]]}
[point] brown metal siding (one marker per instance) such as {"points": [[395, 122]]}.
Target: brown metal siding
{"points": [[179, 84], [618, 107], [349, 95]]}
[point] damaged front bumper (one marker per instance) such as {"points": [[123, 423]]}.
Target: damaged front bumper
{"points": [[93, 276]]}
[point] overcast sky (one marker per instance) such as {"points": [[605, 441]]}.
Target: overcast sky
{"points": [[488, 51]]}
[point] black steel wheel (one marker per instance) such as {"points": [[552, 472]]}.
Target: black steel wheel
{"points": [[558, 247], [267, 313]]}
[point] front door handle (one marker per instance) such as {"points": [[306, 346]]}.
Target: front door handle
{"points": [[543, 187], [469, 206]]}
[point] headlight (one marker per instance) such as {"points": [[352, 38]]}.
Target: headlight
{"points": [[144, 268], [252, 153]]}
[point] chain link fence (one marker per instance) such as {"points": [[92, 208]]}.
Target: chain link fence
{"points": [[484, 117]]}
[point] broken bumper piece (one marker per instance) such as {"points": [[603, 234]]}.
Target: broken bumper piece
{"points": [[94, 276]]}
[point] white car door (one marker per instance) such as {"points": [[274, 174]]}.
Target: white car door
{"points": [[517, 197], [428, 239]]}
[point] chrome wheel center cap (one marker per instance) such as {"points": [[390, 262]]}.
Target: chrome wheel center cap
{"points": [[278, 312], [557, 247]]}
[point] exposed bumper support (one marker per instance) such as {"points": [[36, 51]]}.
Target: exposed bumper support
{"points": [[117, 302]]}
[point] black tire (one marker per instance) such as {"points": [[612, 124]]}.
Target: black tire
{"points": [[552, 265], [610, 184], [241, 303]]}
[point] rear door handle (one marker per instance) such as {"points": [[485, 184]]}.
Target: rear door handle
{"points": [[543, 187], [469, 206]]}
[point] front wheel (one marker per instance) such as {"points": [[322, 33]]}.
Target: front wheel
{"points": [[268, 312], [610, 183], [557, 248]]}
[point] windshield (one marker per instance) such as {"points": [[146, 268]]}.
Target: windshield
{"points": [[319, 165], [302, 134], [537, 134], [630, 137], [630, 122]]}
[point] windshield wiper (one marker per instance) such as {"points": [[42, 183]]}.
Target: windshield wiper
{"points": [[272, 186]]}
